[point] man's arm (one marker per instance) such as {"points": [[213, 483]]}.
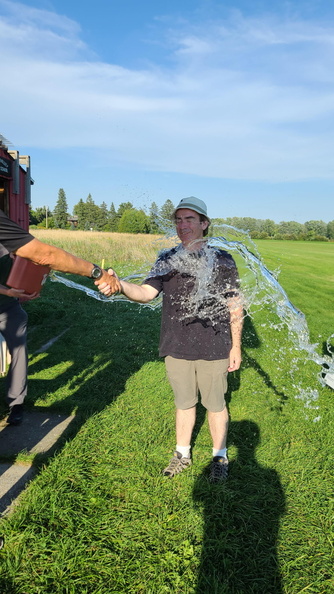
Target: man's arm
{"points": [[236, 324], [139, 293], [11, 292], [58, 259]]}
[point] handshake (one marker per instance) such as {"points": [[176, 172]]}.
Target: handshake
{"points": [[109, 283]]}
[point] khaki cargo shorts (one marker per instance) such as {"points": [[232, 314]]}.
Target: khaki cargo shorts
{"points": [[188, 378]]}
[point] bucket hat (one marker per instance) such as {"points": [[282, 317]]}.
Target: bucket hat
{"points": [[193, 204]]}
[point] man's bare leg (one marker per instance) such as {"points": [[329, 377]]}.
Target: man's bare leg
{"points": [[185, 422], [218, 424]]}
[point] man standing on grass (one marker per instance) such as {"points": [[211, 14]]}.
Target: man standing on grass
{"points": [[201, 327]]}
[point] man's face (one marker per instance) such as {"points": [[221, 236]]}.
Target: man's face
{"points": [[189, 227]]}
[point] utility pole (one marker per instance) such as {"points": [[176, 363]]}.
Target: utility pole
{"points": [[46, 216]]}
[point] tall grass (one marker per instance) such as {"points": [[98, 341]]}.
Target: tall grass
{"points": [[100, 518], [121, 249]]}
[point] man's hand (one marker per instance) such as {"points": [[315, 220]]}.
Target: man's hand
{"points": [[17, 293], [28, 297], [21, 295], [235, 358], [109, 283]]}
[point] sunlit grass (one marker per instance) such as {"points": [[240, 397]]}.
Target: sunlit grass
{"points": [[100, 518]]}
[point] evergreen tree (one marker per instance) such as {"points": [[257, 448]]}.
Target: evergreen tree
{"points": [[60, 213], [79, 210], [166, 222], [113, 219], [102, 217], [91, 213], [154, 218], [166, 211]]}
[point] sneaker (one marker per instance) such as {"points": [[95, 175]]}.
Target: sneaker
{"points": [[176, 465], [218, 469], [16, 415]]}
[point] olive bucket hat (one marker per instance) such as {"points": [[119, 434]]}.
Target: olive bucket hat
{"points": [[193, 204]]}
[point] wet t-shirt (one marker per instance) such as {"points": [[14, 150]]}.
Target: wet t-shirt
{"points": [[195, 287]]}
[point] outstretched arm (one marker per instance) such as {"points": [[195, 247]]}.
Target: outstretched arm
{"points": [[140, 293], [58, 259]]}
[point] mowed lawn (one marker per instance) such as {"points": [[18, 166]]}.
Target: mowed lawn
{"points": [[99, 518], [306, 271]]}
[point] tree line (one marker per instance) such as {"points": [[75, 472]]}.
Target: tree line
{"points": [[126, 218], [315, 230], [88, 216]]}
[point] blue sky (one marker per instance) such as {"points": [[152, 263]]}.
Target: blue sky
{"points": [[145, 101]]}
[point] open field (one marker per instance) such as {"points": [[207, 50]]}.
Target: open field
{"points": [[306, 271], [123, 251], [100, 519]]}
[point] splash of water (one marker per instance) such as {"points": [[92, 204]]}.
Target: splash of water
{"points": [[265, 290], [260, 288]]}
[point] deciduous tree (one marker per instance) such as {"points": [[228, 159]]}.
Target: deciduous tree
{"points": [[134, 221]]}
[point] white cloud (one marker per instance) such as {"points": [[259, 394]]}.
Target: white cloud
{"points": [[244, 98], [30, 31]]}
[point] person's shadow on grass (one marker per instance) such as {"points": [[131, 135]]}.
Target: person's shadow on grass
{"points": [[250, 341], [100, 347], [241, 522]]}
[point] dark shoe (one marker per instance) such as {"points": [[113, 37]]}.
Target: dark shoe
{"points": [[16, 415], [218, 469], [176, 465]]}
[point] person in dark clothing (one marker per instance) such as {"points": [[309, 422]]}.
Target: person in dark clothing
{"points": [[13, 319], [13, 327]]}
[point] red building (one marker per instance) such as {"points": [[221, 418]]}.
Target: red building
{"points": [[15, 184]]}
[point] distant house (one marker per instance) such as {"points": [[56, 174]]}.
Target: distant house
{"points": [[73, 220], [15, 184]]}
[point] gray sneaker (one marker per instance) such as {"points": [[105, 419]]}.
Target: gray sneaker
{"points": [[218, 469], [176, 465]]}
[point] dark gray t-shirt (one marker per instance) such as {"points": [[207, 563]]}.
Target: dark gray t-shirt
{"points": [[12, 236], [195, 320]]}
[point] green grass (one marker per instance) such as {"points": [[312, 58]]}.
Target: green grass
{"points": [[100, 519], [306, 271]]}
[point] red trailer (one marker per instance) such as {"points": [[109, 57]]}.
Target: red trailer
{"points": [[15, 184]]}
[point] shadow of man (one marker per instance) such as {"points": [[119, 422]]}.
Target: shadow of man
{"points": [[241, 522], [251, 341], [92, 364]]}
